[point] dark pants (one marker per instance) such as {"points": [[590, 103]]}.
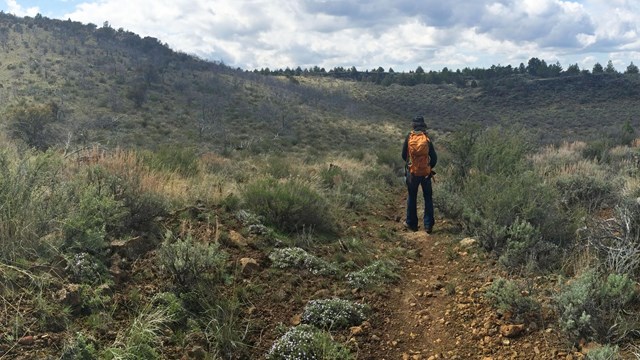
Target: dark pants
{"points": [[413, 182]]}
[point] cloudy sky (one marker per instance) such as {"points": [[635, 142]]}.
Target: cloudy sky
{"points": [[401, 34]]}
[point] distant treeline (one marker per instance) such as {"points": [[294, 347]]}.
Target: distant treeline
{"points": [[535, 68]]}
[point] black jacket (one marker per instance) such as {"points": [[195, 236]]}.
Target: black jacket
{"points": [[433, 157]]}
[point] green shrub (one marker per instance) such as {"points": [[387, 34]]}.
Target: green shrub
{"points": [[490, 186], [606, 352], [85, 268], [300, 259], [525, 248], [493, 204], [377, 273], [448, 201], [85, 229], [80, 347], [173, 304], [616, 292], [94, 299], [332, 176], [590, 192], [501, 151], [354, 194], [506, 296], [34, 200], [34, 124], [305, 342], [597, 150], [192, 263], [289, 205], [390, 156], [51, 315], [591, 308], [125, 187], [333, 314], [183, 161], [279, 167]]}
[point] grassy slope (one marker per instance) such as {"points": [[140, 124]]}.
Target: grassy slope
{"points": [[93, 77]]}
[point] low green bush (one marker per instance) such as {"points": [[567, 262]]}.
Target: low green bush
{"points": [[333, 313], [506, 296], [593, 307], [590, 192], [79, 347], [289, 205], [305, 342], [525, 248], [377, 273], [142, 207], [192, 263], [85, 268], [34, 202], [85, 229], [491, 187], [279, 167], [298, 258], [606, 352]]}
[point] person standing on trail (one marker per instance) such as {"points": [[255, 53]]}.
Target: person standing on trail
{"points": [[420, 158]]}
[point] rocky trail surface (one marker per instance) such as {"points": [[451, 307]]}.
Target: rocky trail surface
{"points": [[438, 310]]}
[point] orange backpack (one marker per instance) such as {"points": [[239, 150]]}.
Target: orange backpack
{"points": [[418, 149]]}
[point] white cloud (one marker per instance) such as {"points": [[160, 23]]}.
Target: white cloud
{"points": [[14, 8], [401, 34]]}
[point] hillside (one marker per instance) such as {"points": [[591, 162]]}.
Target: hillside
{"points": [[116, 89]]}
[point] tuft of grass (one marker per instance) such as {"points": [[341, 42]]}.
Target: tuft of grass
{"points": [[141, 339], [289, 205]]}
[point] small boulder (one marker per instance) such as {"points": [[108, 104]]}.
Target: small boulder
{"points": [[236, 239], [296, 320], [511, 331], [249, 266], [27, 340], [356, 330], [468, 242], [69, 295], [133, 248]]}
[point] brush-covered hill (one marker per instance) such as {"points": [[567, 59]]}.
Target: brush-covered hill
{"points": [[114, 88]]}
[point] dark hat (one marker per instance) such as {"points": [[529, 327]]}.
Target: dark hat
{"points": [[418, 119]]}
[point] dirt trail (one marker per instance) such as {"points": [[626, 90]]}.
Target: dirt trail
{"points": [[438, 310]]}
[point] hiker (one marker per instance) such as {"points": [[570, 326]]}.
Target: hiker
{"points": [[420, 158]]}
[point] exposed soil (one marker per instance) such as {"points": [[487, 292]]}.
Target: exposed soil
{"points": [[438, 310]]}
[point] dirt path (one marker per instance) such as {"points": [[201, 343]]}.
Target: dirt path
{"points": [[438, 310]]}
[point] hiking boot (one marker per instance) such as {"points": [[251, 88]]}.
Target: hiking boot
{"points": [[429, 229], [409, 227]]}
